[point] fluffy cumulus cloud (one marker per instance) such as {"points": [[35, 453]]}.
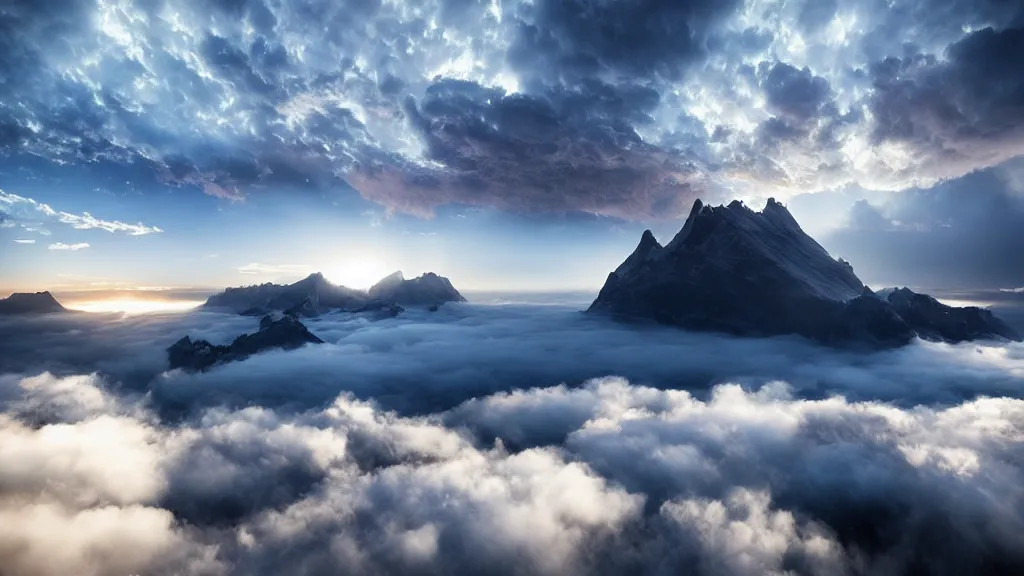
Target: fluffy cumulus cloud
{"points": [[608, 477], [627, 109]]}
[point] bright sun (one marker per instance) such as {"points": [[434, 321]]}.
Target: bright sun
{"points": [[134, 306], [358, 272]]}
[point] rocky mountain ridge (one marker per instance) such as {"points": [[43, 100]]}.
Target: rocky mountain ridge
{"points": [[285, 333], [731, 269], [315, 295]]}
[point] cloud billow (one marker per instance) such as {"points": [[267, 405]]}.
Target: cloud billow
{"points": [[626, 109], [566, 150], [609, 477], [958, 113]]}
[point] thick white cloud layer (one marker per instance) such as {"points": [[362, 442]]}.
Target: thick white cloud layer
{"points": [[605, 478]]}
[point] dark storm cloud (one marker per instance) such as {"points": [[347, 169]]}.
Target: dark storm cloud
{"points": [[956, 113], [931, 23], [617, 108], [566, 150], [962, 234], [571, 40], [803, 110], [795, 94]]}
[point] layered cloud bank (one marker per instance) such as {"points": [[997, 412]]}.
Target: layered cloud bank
{"points": [[425, 362], [477, 440], [609, 477], [619, 108]]}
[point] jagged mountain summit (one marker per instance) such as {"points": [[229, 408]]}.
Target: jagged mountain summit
{"points": [[30, 303], [312, 295], [315, 295], [198, 355], [426, 290], [731, 269]]}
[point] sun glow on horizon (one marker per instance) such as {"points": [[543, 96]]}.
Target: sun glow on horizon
{"points": [[133, 305], [358, 272]]}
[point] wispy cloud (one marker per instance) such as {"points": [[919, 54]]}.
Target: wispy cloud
{"points": [[24, 241], [83, 221], [72, 247], [256, 268], [1013, 290], [86, 221]]}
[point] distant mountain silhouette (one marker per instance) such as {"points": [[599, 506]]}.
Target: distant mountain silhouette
{"points": [[731, 269], [30, 303], [315, 295], [197, 355], [426, 290]]}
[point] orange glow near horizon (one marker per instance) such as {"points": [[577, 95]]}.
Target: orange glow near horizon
{"points": [[133, 305]]}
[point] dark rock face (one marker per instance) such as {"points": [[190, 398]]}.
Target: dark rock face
{"points": [[308, 297], [314, 296], [30, 303], [198, 355], [427, 290], [933, 320], [731, 269]]}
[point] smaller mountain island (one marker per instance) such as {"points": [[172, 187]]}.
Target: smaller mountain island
{"points": [[284, 332], [30, 303], [315, 295], [731, 269]]}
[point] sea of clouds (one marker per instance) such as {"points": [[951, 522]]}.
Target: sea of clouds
{"points": [[503, 439]]}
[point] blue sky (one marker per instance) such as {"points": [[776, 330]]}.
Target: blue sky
{"points": [[505, 144], [156, 235]]}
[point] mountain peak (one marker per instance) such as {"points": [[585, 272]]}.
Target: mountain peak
{"points": [[647, 249], [386, 285], [696, 208], [396, 275], [30, 303], [731, 269], [426, 290]]}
